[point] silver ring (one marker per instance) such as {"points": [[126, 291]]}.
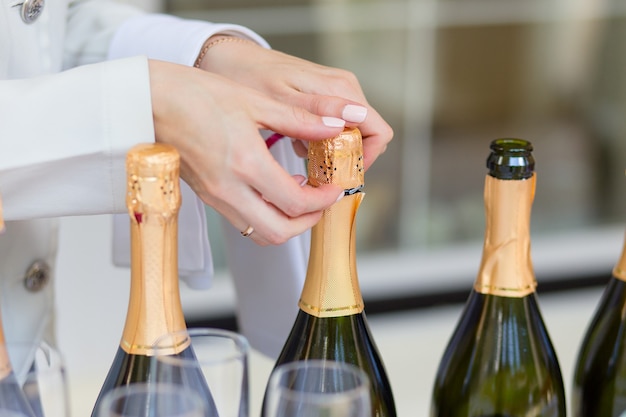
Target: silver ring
{"points": [[248, 231]]}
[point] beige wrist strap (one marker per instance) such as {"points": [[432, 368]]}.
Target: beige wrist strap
{"points": [[216, 40]]}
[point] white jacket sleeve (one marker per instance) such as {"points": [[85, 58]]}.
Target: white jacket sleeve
{"points": [[98, 29], [169, 38], [64, 135], [65, 145]]}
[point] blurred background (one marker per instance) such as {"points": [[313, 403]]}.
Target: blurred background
{"points": [[449, 76]]}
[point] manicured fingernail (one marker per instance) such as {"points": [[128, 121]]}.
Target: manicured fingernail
{"points": [[303, 142], [333, 121], [353, 113], [304, 181], [340, 196]]}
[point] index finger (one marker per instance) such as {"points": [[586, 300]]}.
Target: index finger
{"points": [[375, 131], [291, 197], [376, 136]]}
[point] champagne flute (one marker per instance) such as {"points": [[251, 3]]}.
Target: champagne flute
{"points": [[12, 399], [40, 370], [220, 357], [149, 399], [315, 388]]}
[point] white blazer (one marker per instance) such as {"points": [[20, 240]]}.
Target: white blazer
{"points": [[74, 97]]}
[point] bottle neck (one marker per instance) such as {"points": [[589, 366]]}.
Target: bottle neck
{"points": [[506, 267], [5, 362], [154, 307], [331, 287], [619, 271]]}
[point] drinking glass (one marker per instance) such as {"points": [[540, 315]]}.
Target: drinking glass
{"points": [[40, 370], [314, 388], [12, 399], [219, 358], [151, 400]]}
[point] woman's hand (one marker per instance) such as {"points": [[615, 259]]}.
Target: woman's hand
{"points": [[319, 89], [214, 123]]}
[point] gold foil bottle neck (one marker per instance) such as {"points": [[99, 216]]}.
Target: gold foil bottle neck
{"points": [[2, 341], [153, 180], [1, 217], [331, 287], [506, 267], [619, 271], [337, 160], [153, 200], [5, 363]]}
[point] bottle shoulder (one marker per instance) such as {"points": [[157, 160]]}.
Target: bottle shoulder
{"points": [[314, 337], [344, 339], [605, 337], [500, 350]]}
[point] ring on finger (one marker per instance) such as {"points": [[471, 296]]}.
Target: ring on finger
{"points": [[248, 231]]}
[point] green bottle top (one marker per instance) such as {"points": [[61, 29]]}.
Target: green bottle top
{"points": [[511, 159]]}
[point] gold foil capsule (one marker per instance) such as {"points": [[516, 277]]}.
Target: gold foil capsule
{"points": [[337, 160], [153, 180]]}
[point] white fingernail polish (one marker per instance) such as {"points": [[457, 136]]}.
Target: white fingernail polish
{"points": [[333, 121], [304, 181], [353, 113], [340, 196]]}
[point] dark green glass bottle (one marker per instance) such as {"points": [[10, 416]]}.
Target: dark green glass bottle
{"points": [[599, 387], [331, 322], [500, 360]]}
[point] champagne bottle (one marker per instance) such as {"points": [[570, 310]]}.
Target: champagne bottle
{"points": [[12, 397], [331, 322], [500, 360], [599, 387], [154, 309]]}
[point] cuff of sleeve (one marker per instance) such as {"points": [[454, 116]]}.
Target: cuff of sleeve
{"points": [[128, 118], [98, 112], [169, 38]]}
